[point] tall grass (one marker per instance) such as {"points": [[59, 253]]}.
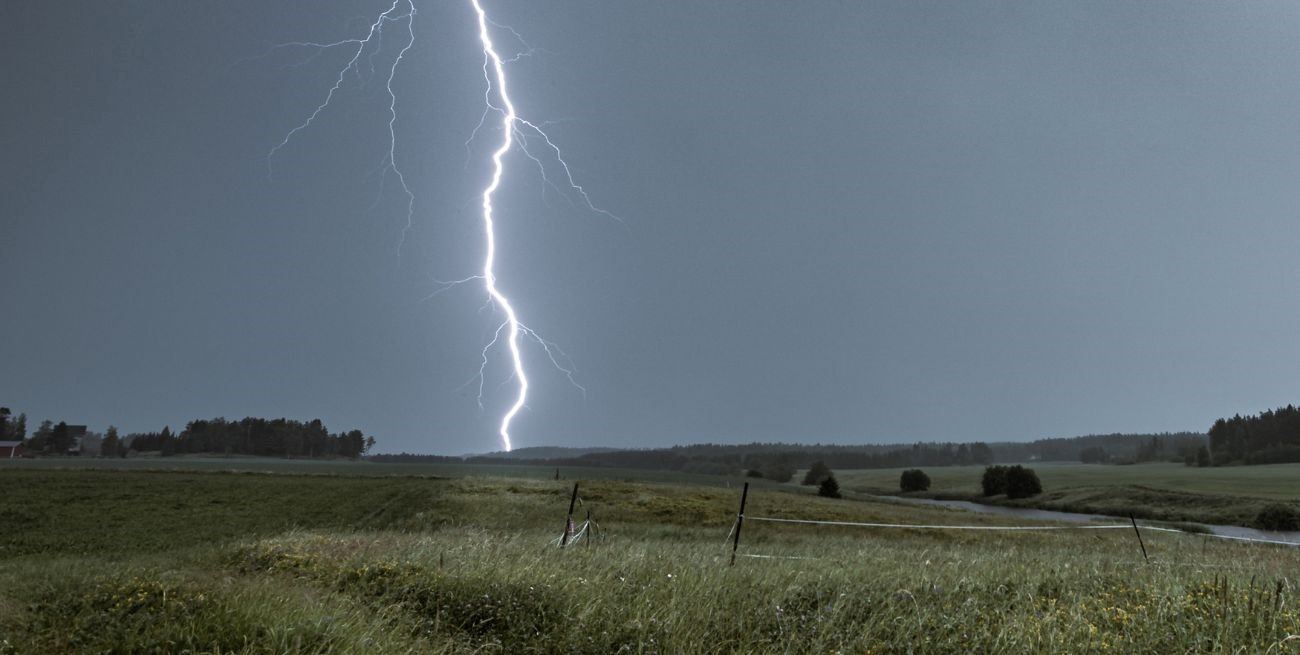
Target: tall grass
{"points": [[466, 566], [902, 594]]}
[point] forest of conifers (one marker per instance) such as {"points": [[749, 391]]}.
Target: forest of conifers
{"points": [[279, 437], [1270, 437]]}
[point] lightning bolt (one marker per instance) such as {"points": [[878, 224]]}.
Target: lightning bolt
{"points": [[509, 120], [515, 132], [400, 10]]}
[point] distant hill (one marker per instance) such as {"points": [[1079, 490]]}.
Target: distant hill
{"points": [[780, 461], [545, 452]]}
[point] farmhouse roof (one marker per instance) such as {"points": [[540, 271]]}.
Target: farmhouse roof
{"points": [[10, 444]]}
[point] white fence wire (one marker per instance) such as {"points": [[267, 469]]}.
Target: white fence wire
{"points": [[1004, 528]]}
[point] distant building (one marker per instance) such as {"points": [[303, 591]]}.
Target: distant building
{"points": [[11, 449]]}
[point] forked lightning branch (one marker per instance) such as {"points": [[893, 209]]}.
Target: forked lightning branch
{"points": [[511, 333]]}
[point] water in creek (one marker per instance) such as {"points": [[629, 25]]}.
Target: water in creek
{"points": [[1232, 531]]}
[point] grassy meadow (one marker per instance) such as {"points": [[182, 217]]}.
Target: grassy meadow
{"points": [[343, 467], [133, 561], [1230, 495]]}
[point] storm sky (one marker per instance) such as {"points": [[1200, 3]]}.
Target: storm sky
{"points": [[842, 221]]}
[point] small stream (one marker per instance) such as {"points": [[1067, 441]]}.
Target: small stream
{"points": [[1030, 513]]}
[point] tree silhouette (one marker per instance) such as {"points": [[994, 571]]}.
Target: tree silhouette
{"points": [[816, 473], [829, 488], [914, 480]]}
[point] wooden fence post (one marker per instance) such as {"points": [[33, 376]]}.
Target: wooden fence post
{"points": [[568, 519], [1139, 534], [740, 522]]}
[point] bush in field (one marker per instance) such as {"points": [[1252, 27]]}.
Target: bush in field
{"points": [[829, 487], [816, 473], [1022, 483], [1014, 481], [1278, 517], [778, 472], [994, 481], [914, 480]]}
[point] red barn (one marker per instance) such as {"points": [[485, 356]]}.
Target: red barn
{"points": [[11, 449]]}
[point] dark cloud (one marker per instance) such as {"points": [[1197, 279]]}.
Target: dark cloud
{"points": [[844, 221]]}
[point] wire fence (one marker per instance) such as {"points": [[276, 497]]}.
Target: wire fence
{"points": [[772, 519], [1000, 528], [576, 533], [1014, 528], [734, 534]]}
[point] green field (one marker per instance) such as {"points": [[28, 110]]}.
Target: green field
{"points": [[344, 467], [1274, 480], [1226, 495], [130, 561]]}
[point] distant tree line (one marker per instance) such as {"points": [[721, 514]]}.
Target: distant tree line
{"points": [[279, 437], [1134, 449], [1270, 437], [777, 462], [1118, 448], [412, 458], [50, 437], [780, 461]]}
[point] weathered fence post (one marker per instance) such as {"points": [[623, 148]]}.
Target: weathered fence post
{"points": [[740, 521], [568, 519], [1139, 534]]}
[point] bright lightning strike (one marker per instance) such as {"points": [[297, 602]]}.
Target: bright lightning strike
{"points": [[508, 126], [515, 131], [400, 10]]}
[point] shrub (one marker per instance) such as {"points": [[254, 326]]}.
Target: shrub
{"points": [[816, 473], [1278, 516], [1203, 457], [1014, 481], [914, 480], [994, 481], [829, 488], [753, 473], [778, 472], [1022, 483]]}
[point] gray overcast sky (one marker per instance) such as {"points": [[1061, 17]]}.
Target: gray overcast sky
{"points": [[844, 221]]}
